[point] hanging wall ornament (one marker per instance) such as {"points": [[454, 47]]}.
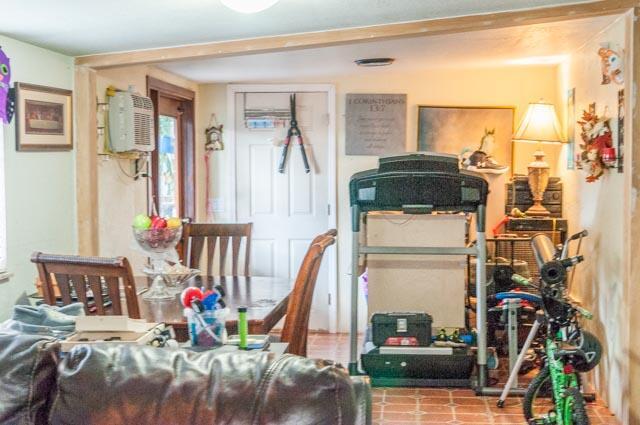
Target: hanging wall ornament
{"points": [[6, 92], [596, 138], [213, 135], [612, 66]]}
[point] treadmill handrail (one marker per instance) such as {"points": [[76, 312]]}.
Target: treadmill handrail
{"points": [[418, 250]]}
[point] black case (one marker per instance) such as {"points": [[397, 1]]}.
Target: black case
{"points": [[385, 325], [519, 195], [420, 370]]}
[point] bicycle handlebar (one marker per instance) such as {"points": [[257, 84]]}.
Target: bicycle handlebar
{"points": [[520, 280], [543, 249]]}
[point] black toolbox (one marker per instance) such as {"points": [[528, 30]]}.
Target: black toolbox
{"points": [[401, 325]]}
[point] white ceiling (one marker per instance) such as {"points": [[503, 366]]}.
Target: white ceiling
{"points": [[80, 27], [531, 44]]}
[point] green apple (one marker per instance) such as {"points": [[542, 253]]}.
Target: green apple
{"points": [[141, 222]]}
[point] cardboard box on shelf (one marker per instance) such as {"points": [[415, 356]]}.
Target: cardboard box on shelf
{"points": [[434, 284]]}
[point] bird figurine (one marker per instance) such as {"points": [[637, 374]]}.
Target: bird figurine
{"points": [[6, 104]]}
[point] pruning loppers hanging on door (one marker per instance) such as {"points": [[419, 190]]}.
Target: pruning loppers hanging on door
{"points": [[294, 131]]}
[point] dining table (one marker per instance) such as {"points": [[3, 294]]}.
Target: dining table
{"points": [[266, 299]]}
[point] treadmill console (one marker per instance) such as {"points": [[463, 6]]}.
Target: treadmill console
{"points": [[418, 183]]}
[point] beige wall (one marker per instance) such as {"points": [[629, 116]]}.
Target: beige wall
{"points": [[513, 86], [39, 186], [120, 198], [602, 281]]}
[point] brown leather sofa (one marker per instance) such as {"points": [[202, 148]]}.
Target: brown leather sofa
{"points": [[118, 384]]}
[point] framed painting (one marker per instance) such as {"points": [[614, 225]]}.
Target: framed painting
{"points": [[459, 129], [44, 118], [571, 128]]}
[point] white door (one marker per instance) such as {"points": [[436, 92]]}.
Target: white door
{"points": [[287, 210]]}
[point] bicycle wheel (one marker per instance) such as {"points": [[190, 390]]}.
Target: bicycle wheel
{"points": [[575, 408], [538, 402]]}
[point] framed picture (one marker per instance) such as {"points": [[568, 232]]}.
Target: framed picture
{"points": [[571, 128], [459, 129], [44, 120], [620, 149]]}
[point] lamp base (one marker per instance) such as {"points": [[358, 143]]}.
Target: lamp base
{"points": [[537, 210]]}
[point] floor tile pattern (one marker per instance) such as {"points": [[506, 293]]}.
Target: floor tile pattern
{"points": [[435, 405]]}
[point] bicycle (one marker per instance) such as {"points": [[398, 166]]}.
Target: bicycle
{"points": [[554, 396]]}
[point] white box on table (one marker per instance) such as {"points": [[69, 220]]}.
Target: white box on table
{"points": [[99, 329]]}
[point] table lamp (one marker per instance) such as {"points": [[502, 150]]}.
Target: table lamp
{"points": [[540, 124]]}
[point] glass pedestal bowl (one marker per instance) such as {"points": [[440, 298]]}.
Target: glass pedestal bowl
{"points": [[175, 275], [158, 244]]}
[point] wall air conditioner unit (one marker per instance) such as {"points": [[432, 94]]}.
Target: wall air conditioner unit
{"points": [[131, 126]]}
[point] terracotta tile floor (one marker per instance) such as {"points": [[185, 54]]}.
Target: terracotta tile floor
{"points": [[434, 405]]}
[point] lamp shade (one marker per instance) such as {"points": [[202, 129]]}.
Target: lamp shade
{"points": [[540, 124]]}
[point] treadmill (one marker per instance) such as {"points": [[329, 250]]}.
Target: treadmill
{"points": [[421, 183]]}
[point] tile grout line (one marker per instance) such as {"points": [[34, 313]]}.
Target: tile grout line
{"points": [[489, 412], [452, 407], [384, 403]]}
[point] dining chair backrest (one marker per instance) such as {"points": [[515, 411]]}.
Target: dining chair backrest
{"points": [[296, 324], [87, 279], [195, 236]]}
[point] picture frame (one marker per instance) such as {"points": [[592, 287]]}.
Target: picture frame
{"points": [[456, 129], [571, 128], [44, 118]]}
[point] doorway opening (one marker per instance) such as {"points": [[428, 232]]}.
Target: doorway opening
{"points": [[172, 183]]}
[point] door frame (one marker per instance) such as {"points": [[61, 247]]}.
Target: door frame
{"points": [[155, 89], [330, 90]]}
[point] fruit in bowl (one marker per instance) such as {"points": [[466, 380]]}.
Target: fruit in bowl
{"points": [[158, 240], [158, 237], [157, 234]]}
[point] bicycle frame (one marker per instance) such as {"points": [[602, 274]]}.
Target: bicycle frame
{"points": [[562, 374], [560, 381]]}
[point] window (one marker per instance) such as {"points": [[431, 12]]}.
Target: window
{"points": [[3, 212]]}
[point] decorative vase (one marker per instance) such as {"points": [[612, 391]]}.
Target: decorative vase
{"points": [[538, 181]]}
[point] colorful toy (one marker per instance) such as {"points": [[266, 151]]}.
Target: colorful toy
{"points": [[190, 294], [612, 66], [6, 102]]}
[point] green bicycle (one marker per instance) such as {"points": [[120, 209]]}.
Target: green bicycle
{"points": [[554, 396]]}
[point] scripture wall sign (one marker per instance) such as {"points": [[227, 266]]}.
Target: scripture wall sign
{"points": [[376, 124]]}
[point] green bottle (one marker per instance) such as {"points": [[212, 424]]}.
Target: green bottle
{"points": [[243, 327]]}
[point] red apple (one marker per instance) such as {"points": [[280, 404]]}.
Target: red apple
{"points": [[159, 223]]}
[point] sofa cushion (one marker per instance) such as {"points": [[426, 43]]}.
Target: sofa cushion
{"points": [[118, 384], [27, 377]]}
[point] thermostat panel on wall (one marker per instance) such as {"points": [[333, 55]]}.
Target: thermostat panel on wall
{"points": [[131, 126]]}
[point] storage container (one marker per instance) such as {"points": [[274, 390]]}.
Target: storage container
{"points": [[402, 325]]}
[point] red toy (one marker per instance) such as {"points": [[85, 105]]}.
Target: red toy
{"points": [[190, 294]]}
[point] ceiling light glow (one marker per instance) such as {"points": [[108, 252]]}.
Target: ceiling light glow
{"points": [[249, 6]]}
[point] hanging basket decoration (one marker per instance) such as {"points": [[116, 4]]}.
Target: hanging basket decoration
{"points": [[596, 138]]}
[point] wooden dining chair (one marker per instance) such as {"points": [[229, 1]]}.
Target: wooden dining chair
{"points": [[195, 236], [296, 323], [75, 275]]}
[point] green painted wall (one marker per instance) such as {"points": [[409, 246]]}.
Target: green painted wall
{"points": [[40, 186]]}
